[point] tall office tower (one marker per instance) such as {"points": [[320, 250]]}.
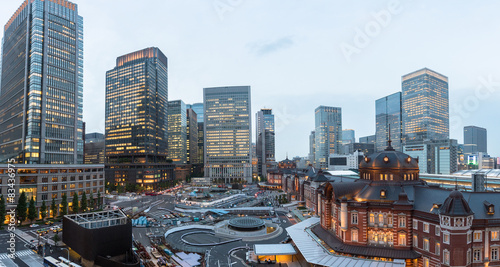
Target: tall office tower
{"points": [[227, 134], [388, 115], [348, 136], [136, 119], [41, 91], [425, 106], [94, 148], [42, 84], [192, 137], [369, 139], [177, 132], [265, 141], [312, 148], [328, 133], [475, 140], [198, 108]]}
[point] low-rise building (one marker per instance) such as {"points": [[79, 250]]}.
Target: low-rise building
{"points": [[47, 182]]}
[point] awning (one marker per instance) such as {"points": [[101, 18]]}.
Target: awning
{"points": [[274, 249], [317, 255]]}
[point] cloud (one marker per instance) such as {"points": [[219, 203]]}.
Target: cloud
{"points": [[264, 48]]}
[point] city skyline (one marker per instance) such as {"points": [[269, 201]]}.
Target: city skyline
{"points": [[330, 79]]}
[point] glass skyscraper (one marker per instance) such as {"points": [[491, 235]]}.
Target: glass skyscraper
{"points": [[265, 141], [192, 136], [328, 134], [42, 84], [198, 108], [312, 147], [425, 106], [348, 136], [177, 131], [388, 113], [227, 133], [475, 140], [136, 119]]}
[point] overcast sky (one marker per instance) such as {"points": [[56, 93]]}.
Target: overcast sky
{"points": [[297, 55]]}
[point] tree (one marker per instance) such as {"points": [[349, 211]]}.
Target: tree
{"points": [[21, 207], [3, 210], [75, 203], [83, 202], [43, 210], [120, 189], [56, 238], [32, 210], [111, 187], [98, 199], [64, 205], [130, 187], [53, 207], [91, 201]]}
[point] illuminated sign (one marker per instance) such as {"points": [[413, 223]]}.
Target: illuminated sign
{"points": [[472, 159]]}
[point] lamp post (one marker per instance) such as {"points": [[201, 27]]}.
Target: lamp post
{"points": [[68, 252]]}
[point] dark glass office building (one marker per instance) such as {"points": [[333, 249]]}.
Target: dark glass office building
{"points": [[198, 109], [475, 140], [192, 137], [136, 119], [42, 84], [388, 114], [425, 106], [265, 149]]}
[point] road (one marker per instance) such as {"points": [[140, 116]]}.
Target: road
{"points": [[219, 254]]}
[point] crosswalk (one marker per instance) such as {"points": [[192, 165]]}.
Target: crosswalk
{"points": [[19, 254]]}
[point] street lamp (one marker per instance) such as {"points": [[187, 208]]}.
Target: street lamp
{"points": [[68, 252]]}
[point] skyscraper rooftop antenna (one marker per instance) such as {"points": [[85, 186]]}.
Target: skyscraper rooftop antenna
{"points": [[389, 141]]}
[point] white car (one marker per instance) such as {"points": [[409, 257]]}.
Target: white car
{"points": [[34, 225]]}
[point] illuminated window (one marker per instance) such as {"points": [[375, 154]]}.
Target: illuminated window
{"points": [[426, 227], [425, 245], [446, 257], [446, 238], [438, 249], [426, 262], [402, 239], [494, 235], [354, 234], [478, 236]]}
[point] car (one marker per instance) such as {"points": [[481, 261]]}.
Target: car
{"points": [[34, 225]]}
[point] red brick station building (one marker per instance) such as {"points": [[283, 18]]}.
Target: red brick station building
{"points": [[389, 213]]}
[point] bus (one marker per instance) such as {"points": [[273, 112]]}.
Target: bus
{"points": [[51, 262]]}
